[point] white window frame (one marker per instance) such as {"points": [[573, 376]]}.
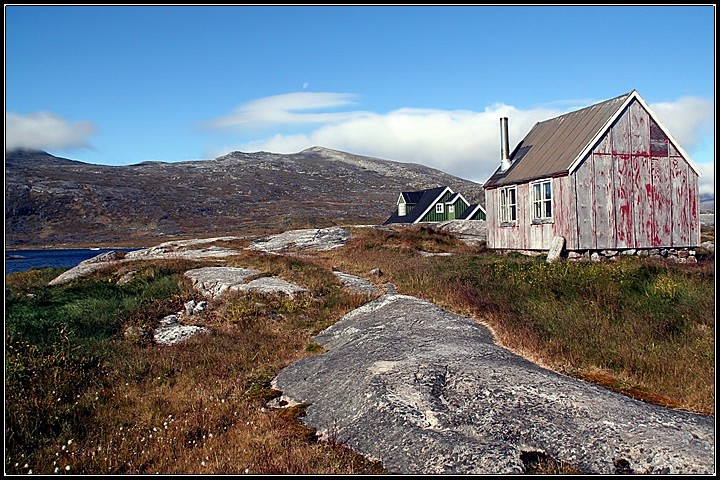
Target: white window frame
{"points": [[439, 208], [507, 210], [402, 209], [451, 208], [541, 201]]}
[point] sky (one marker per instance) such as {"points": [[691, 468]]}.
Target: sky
{"points": [[122, 84]]}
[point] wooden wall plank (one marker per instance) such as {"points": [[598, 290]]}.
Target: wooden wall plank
{"points": [[621, 143], [523, 215], [585, 188], [639, 130], [661, 202], [491, 217], [693, 212], [622, 175], [641, 175], [564, 212], [642, 206], [680, 236], [605, 236]]}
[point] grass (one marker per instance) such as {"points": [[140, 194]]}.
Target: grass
{"points": [[84, 398]]}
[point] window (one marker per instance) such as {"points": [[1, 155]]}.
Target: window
{"points": [[508, 205], [439, 208], [451, 208], [542, 200], [402, 209]]}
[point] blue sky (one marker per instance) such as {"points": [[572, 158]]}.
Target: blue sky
{"points": [[119, 85]]}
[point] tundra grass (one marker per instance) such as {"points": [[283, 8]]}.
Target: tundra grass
{"points": [[82, 398]]}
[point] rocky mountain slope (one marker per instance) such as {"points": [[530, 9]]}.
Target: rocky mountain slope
{"points": [[57, 201]]}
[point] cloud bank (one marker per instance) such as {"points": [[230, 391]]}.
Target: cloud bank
{"points": [[45, 131], [460, 142]]}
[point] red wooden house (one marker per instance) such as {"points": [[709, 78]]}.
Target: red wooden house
{"points": [[608, 176]]}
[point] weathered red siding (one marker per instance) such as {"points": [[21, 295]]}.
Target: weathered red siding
{"points": [[633, 190]]}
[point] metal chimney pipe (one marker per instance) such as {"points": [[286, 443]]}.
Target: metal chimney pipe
{"points": [[504, 145]]}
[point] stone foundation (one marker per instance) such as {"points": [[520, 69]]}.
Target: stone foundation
{"points": [[676, 255]]}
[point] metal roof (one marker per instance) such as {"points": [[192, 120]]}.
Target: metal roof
{"points": [[551, 147]]}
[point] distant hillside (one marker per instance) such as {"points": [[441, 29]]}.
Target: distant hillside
{"points": [[58, 201], [707, 203]]}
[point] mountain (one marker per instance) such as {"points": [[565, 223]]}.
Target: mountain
{"points": [[57, 201], [707, 203]]}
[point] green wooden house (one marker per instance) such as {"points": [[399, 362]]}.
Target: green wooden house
{"points": [[437, 204]]}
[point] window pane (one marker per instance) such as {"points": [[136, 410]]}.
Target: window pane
{"points": [[547, 190], [548, 209]]}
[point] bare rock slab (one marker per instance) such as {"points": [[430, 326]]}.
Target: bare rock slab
{"points": [[171, 331], [428, 392], [356, 284], [214, 281], [86, 267], [317, 239], [193, 249], [270, 285]]}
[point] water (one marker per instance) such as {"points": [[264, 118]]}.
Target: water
{"points": [[61, 258]]}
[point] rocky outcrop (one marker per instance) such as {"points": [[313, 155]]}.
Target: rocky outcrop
{"points": [[184, 249], [181, 249], [357, 284], [429, 392], [472, 232], [86, 267], [215, 281], [315, 239], [171, 331]]}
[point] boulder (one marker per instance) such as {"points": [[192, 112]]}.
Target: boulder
{"points": [[426, 391]]}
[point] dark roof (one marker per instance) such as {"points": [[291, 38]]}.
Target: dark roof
{"points": [[412, 198], [552, 146], [425, 200], [470, 211]]}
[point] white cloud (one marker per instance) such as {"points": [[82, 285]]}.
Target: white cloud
{"points": [[460, 142], [688, 119], [706, 183], [45, 131], [281, 110]]}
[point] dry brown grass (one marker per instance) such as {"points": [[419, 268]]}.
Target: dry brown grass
{"points": [[200, 407]]}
